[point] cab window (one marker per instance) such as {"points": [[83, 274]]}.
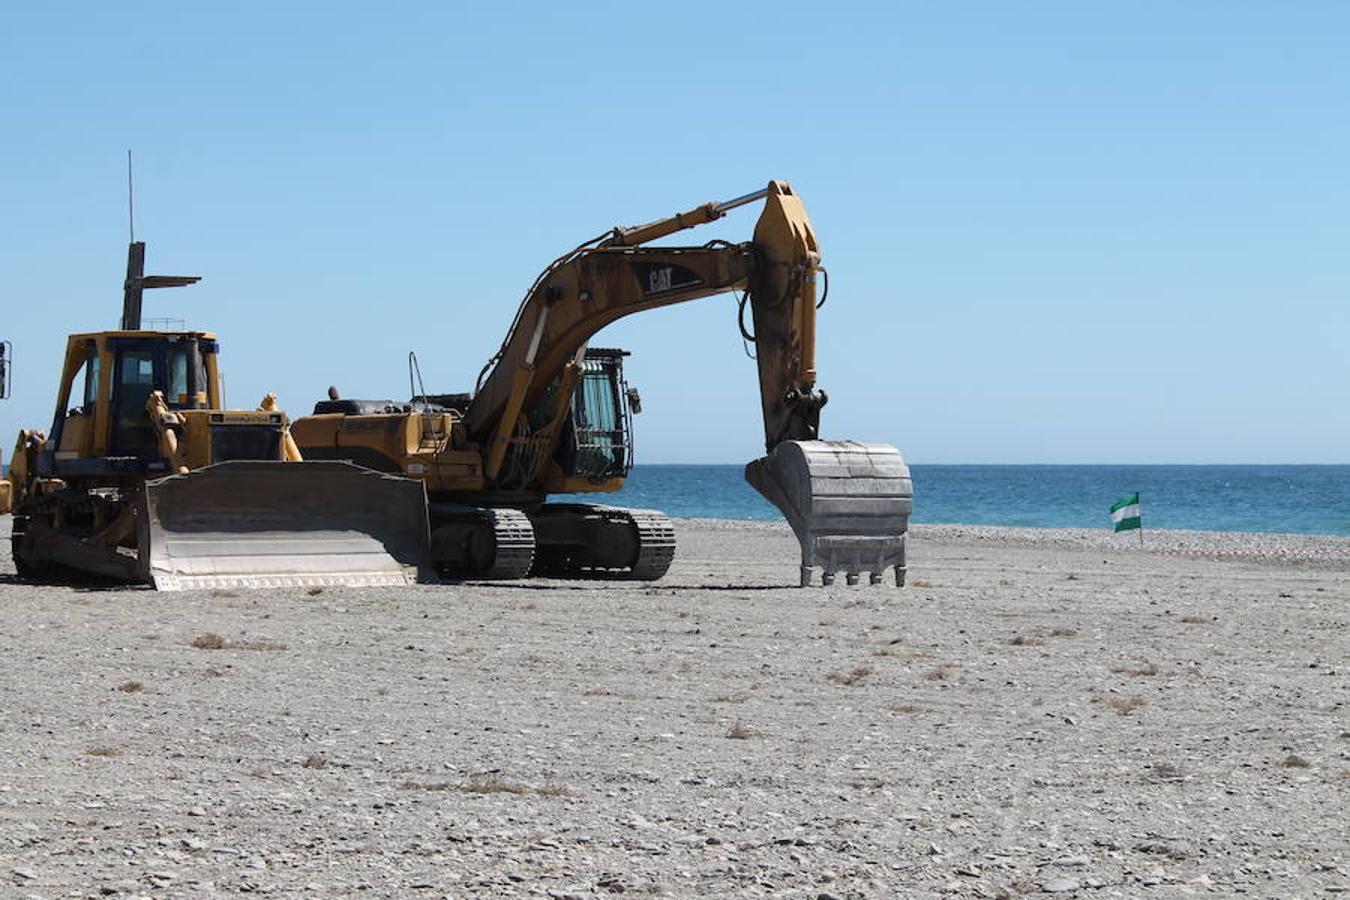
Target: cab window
{"points": [[178, 377], [84, 386], [132, 432], [91, 373]]}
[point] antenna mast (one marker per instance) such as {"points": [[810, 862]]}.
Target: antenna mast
{"points": [[137, 281], [131, 203]]}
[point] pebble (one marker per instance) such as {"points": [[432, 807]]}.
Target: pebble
{"points": [[27, 874], [1059, 886]]}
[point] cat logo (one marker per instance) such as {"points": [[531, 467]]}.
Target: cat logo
{"points": [[659, 280], [662, 278]]}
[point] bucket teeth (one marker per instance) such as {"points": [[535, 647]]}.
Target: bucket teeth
{"points": [[847, 502]]}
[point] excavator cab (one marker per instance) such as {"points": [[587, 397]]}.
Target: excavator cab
{"points": [[597, 438]]}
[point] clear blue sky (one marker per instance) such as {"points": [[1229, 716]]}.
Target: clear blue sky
{"points": [[1056, 232]]}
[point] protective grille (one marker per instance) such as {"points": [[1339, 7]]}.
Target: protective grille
{"points": [[600, 442], [230, 442]]}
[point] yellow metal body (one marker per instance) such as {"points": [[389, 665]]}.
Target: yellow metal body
{"points": [[506, 439], [588, 289], [550, 415], [145, 477], [180, 426], [87, 425], [429, 447]]}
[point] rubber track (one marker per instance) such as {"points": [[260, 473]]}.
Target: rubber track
{"points": [[656, 547], [514, 541]]}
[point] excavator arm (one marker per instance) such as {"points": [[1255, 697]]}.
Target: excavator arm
{"points": [[847, 502], [616, 277]]}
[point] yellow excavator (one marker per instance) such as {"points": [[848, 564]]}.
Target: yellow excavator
{"points": [[552, 416], [147, 478]]}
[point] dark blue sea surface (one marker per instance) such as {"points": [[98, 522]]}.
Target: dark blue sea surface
{"points": [[1293, 499]]}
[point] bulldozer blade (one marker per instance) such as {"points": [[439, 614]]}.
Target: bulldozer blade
{"points": [[257, 524], [848, 503]]}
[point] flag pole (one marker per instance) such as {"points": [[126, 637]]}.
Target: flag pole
{"points": [[1140, 495]]}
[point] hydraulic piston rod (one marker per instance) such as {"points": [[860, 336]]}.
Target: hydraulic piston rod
{"points": [[699, 215]]}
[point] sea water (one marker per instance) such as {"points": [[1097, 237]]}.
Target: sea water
{"points": [[1290, 498], [1284, 499]]}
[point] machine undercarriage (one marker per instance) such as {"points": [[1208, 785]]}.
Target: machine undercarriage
{"points": [[555, 540]]}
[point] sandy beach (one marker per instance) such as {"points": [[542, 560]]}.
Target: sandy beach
{"points": [[1036, 712]]}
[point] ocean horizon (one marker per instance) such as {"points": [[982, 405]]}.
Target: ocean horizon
{"points": [[1293, 499], [1310, 498]]}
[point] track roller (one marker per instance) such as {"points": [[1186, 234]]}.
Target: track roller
{"points": [[578, 540], [476, 542]]}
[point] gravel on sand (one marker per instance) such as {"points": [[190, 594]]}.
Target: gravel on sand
{"points": [[1037, 712]]}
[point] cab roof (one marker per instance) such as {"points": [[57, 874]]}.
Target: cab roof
{"points": [[148, 335]]}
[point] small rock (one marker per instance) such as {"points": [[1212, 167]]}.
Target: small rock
{"points": [[26, 874], [1060, 886], [825, 895], [1071, 862], [196, 811]]}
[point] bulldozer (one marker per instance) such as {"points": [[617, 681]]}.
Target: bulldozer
{"points": [[145, 477], [551, 415]]}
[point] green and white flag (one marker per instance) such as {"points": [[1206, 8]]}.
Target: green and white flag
{"points": [[1125, 512]]}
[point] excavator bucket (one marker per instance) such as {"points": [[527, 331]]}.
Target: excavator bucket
{"points": [[848, 503], [281, 524]]}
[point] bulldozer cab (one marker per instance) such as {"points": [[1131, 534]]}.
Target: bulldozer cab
{"points": [[107, 379]]}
